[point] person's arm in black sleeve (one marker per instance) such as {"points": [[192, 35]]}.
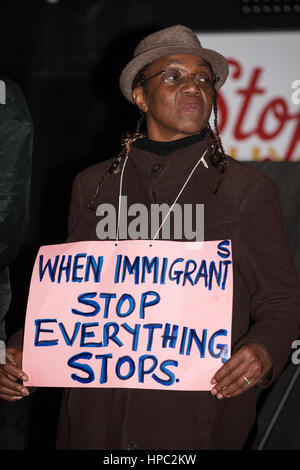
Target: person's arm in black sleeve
{"points": [[16, 139]]}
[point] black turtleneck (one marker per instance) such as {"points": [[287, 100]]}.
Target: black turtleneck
{"points": [[164, 148]]}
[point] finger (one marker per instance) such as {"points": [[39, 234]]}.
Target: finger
{"points": [[9, 398], [240, 385], [232, 363], [253, 374], [11, 387], [14, 359], [238, 391], [14, 371], [10, 358], [233, 374], [11, 377]]}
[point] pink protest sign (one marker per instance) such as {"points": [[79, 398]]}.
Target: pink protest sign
{"points": [[136, 314]]}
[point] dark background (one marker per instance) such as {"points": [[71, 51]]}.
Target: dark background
{"points": [[67, 57]]}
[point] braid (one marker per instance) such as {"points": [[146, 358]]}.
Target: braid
{"points": [[140, 122], [215, 106], [114, 167], [217, 157]]}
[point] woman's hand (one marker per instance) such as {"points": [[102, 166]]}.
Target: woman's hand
{"points": [[11, 376], [246, 368]]}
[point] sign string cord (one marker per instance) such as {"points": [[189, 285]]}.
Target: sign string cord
{"points": [[168, 213]]}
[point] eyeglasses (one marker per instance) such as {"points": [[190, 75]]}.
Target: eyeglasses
{"points": [[174, 76]]}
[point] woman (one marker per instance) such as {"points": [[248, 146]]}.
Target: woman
{"points": [[174, 81]]}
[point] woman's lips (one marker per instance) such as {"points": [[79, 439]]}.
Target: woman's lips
{"points": [[190, 107]]}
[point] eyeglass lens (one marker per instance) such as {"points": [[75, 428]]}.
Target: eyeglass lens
{"points": [[174, 76]]}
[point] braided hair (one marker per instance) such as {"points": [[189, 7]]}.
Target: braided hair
{"points": [[217, 157]]}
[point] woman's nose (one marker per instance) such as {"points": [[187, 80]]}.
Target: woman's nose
{"points": [[190, 86]]}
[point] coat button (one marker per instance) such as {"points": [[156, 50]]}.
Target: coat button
{"points": [[156, 168], [131, 446]]}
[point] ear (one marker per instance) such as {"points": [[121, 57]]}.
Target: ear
{"points": [[139, 98]]}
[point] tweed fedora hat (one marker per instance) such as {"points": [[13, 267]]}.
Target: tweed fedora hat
{"points": [[177, 39]]}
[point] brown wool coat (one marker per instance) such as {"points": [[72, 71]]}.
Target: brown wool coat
{"points": [[266, 303]]}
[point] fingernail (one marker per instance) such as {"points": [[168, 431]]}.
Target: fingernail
{"points": [[213, 392], [24, 392], [213, 381], [17, 398], [219, 396], [24, 377]]}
